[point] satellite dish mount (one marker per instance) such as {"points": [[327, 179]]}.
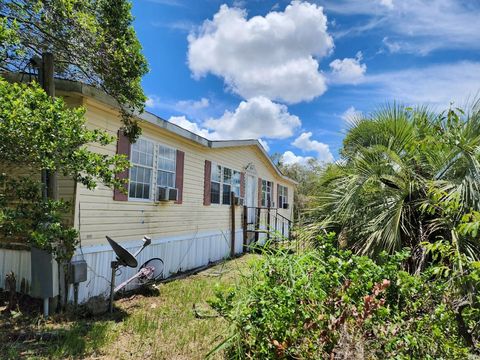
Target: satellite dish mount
{"points": [[150, 270]]}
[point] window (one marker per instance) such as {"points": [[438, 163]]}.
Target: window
{"points": [[227, 186], [267, 192], [224, 181], [152, 163], [282, 196], [236, 183], [166, 163], [142, 169], [215, 184]]}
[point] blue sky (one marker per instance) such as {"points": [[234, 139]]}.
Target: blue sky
{"points": [[292, 73]]}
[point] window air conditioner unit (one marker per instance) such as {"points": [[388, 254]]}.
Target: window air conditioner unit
{"points": [[286, 206], [167, 194], [239, 201]]}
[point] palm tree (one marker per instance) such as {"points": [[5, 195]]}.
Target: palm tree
{"points": [[392, 162]]}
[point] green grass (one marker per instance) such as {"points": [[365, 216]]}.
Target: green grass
{"points": [[163, 326]]}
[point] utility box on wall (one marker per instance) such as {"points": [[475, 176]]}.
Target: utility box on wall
{"points": [[77, 271], [44, 274]]}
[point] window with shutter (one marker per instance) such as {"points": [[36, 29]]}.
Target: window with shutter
{"points": [[154, 166], [282, 196], [267, 193], [223, 181]]}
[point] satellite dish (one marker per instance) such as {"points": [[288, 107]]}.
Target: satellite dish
{"points": [[157, 265], [123, 256]]}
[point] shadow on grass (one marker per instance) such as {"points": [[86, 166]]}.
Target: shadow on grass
{"points": [[24, 334], [80, 339], [145, 291]]}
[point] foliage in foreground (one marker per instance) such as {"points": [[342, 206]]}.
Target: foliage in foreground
{"points": [[330, 303], [39, 133], [401, 171]]}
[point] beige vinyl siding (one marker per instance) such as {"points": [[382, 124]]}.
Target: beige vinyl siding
{"points": [[100, 215]]}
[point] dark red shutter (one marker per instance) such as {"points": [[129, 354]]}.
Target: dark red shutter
{"points": [[259, 192], [278, 195], [207, 183], [179, 175], [123, 148], [242, 185]]}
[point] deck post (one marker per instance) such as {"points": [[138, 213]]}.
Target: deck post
{"points": [[245, 225], [276, 222], [289, 230], [268, 221], [257, 223], [232, 236]]}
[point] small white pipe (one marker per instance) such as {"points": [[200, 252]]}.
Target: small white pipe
{"points": [[45, 308]]}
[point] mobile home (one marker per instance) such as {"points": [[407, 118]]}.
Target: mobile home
{"points": [[179, 193]]}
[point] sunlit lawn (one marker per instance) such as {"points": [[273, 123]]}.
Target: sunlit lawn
{"points": [[160, 326]]}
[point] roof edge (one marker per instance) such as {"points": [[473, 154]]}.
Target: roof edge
{"points": [[101, 96], [251, 142]]}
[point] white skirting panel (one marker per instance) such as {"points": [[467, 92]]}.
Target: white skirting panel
{"points": [[179, 253], [16, 261]]}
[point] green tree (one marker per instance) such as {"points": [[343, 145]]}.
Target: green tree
{"points": [[92, 41], [41, 133], [392, 163], [306, 175]]}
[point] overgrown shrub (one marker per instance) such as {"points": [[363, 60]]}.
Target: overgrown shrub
{"points": [[26, 217], [328, 303]]}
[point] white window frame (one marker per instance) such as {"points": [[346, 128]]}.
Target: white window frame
{"points": [[236, 182], [282, 196], [174, 172], [233, 183], [219, 182], [139, 165], [225, 183], [154, 169], [266, 186]]}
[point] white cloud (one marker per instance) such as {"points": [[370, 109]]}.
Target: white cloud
{"points": [[239, 3], [305, 143], [350, 115], [417, 26], [392, 46], [348, 70], [153, 101], [183, 122], [289, 158], [192, 108], [387, 3], [436, 85], [255, 118], [273, 56], [168, 2], [178, 25], [193, 104]]}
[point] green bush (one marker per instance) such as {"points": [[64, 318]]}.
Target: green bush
{"points": [[330, 303]]}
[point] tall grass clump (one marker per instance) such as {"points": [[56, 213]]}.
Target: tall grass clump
{"points": [[328, 303]]}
